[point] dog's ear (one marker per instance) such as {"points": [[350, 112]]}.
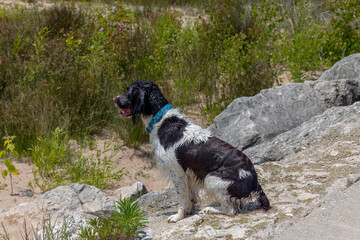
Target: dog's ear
{"points": [[139, 103]]}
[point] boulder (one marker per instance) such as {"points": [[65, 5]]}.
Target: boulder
{"points": [[346, 68], [339, 92], [296, 139], [163, 199], [249, 121]]}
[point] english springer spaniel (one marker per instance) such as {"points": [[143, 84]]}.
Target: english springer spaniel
{"points": [[191, 156]]}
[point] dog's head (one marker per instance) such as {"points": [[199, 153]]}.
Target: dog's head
{"points": [[141, 99]]}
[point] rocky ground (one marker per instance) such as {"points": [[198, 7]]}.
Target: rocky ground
{"points": [[295, 186]]}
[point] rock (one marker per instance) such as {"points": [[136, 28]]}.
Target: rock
{"points": [[148, 234], [346, 68], [340, 92], [353, 178], [207, 232], [336, 219], [165, 198], [292, 141], [136, 190], [184, 229], [249, 121], [74, 204]]}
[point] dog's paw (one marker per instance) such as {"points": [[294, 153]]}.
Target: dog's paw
{"points": [[209, 210], [175, 218]]}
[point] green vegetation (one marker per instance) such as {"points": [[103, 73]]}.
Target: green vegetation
{"points": [[60, 66], [125, 222], [9, 153], [55, 164]]}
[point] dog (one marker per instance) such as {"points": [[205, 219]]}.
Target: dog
{"points": [[191, 156]]}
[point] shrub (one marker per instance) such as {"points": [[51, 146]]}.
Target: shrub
{"points": [[57, 164], [343, 33], [9, 153], [125, 222]]}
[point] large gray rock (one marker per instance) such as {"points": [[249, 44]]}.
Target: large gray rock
{"points": [[163, 199], [248, 121], [339, 92], [296, 139], [346, 68]]}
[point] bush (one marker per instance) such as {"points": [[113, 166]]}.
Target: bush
{"points": [[125, 222], [343, 33], [55, 164]]}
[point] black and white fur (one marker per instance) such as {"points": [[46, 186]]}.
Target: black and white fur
{"points": [[192, 157]]}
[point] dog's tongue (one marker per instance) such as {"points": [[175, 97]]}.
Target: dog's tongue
{"points": [[126, 112]]}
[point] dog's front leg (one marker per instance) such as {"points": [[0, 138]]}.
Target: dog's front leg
{"points": [[183, 194]]}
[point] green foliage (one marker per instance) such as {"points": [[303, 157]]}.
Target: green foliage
{"points": [[9, 153], [125, 222], [343, 34], [60, 66], [49, 81], [47, 155], [166, 3], [96, 170], [55, 163]]}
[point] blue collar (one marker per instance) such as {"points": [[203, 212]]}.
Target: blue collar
{"points": [[157, 116]]}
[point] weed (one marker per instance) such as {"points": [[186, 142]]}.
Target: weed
{"points": [[5, 235], [9, 153], [49, 232], [47, 155], [57, 164], [125, 222], [97, 170]]}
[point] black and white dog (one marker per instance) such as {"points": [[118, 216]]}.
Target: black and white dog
{"points": [[191, 156]]}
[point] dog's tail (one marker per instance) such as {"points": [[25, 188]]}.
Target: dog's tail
{"points": [[264, 201]]}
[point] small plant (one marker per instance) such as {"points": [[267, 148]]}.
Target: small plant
{"points": [[48, 154], [5, 235], [57, 164], [125, 222], [96, 170], [49, 232], [8, 153]]}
